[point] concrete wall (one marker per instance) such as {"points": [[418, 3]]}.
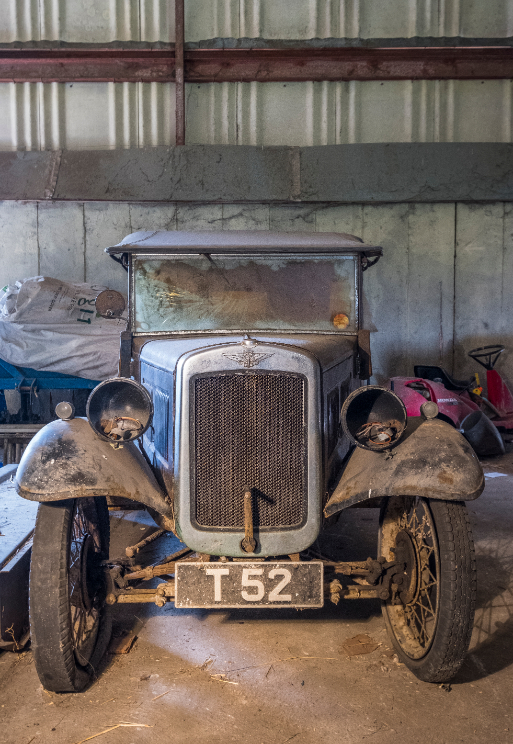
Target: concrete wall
{"points": [[442, 287]]}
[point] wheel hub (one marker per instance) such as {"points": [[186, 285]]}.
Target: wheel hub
{"points": [[406, 554], [89, 568]]}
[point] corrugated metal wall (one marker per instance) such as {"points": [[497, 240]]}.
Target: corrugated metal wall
{"points": [[85, 116], [441, 288], [365, 19], [150, 20], [81, 116], [35, 116], [346, 112], [93, 21]]}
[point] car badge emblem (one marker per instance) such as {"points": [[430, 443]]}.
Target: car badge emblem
{"points": [[248, 358]]}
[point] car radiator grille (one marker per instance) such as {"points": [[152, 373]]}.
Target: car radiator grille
{"points": [[249, 430]]}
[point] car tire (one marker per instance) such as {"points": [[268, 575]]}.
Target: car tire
{"points": [[430, 621], [69, 621]]}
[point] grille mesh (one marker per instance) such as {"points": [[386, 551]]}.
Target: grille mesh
{"points": [[249, 431]]}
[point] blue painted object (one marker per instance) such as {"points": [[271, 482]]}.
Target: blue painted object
{"points": [[12, 377]]}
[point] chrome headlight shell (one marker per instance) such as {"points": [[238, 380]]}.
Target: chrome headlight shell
{"points": [[119, 410]]}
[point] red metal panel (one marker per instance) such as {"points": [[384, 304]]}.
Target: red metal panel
{"points": [[269, 65], [179, 72], [262, 65], [83, 65]]}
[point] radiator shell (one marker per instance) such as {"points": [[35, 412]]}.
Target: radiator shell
{"points": [[276, 360], [249, 431]]}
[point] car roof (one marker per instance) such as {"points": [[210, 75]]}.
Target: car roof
{"points": [[241, 241]]}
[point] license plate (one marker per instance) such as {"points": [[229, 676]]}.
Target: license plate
{"points": [[247, 584]]}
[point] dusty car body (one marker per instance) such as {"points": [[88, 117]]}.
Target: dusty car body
{"points": [[241, 421]]}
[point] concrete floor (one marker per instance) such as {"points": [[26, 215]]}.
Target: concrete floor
{"points": [[217, 676]]}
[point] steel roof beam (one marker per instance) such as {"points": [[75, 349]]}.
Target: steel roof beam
{"points": [[260, 65]]}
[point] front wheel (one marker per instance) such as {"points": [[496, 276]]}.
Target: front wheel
{"points": [[430, 615], [69, 621]]}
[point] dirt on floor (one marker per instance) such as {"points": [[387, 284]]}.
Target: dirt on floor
{"points": [[273, 677]]}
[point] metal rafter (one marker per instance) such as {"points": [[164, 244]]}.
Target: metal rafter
{"points": [[248, 65], [179, 72]]}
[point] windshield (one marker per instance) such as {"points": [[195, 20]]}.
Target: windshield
{"points": [[227, 292]]}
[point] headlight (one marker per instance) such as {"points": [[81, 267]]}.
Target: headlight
{"points": [[119, 410], [374, 418]]}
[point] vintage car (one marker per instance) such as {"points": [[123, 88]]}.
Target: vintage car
{"points": [[243, 378]]}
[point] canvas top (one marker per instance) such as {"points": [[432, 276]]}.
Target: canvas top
{"points": [[241, 241]]}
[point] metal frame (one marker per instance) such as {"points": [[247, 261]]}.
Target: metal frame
{"points": [[87, 64], [216, 542], [15, 438], [377, 576], [306, 432], [83, 63], [241, 331], [179, 72], [26, 379]]}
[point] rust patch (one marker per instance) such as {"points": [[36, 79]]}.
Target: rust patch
{"points": [[446, 478]]}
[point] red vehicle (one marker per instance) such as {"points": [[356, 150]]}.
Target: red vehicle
{"points": [[453, 405], [500, 400], [456, 405]]}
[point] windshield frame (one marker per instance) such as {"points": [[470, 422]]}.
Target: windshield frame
{"points": [[132, 258]]}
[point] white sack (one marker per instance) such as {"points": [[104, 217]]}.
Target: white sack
{"points": [[53, 326]]}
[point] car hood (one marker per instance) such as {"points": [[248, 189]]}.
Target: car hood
{"points": [[328, 349]]}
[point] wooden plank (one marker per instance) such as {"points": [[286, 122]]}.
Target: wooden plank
{"points": [[60, 231]]}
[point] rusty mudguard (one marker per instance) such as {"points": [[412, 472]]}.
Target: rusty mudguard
{"points": [[67, 460], [433, 460]]}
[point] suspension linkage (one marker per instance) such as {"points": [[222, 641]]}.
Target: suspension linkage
{"points": [[383, 579]]}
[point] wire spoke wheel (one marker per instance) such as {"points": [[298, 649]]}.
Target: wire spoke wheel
{"points": [[410, 534], [69, 621], [86, 579], [429, 614]]}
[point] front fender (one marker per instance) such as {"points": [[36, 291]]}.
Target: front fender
{"points": [[433, 461], [67, 460]]}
